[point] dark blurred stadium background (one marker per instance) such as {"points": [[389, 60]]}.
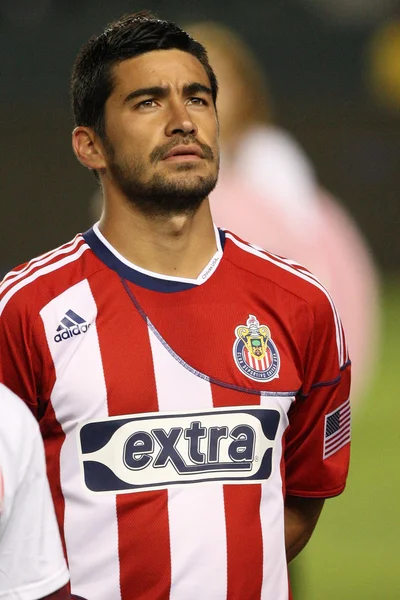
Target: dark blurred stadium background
{"points": [[334, 71]]}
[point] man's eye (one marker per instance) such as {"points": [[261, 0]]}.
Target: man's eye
{"points": [[146, 103], [198, 101]]}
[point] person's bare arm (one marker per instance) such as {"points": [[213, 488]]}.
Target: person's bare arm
{"points": [[301, 516]]}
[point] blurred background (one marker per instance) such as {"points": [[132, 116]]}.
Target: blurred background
{"points": [[332, 71]]}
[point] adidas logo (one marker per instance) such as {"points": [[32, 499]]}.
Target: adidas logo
{"points": [[71, 325]]}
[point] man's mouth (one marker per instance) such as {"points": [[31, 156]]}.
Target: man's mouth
{"points": [[184, 152]]}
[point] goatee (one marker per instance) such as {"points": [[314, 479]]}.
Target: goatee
{"points": [[161, 196]]}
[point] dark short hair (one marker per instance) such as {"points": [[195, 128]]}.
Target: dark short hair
{"points": [[92, 75]]}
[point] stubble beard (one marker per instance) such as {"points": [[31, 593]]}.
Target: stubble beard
{"points": [[162, 196]]}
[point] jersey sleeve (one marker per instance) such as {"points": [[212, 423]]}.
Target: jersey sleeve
{"points": [[22, 351], [317, 446], [31, 555]]}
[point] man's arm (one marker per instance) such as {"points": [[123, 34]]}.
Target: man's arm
{"points": [[301, 516]]}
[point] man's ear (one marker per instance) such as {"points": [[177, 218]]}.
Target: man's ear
{"points": [[88, 150]]}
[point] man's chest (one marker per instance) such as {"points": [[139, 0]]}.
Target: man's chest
{"points": [[151, 394], [143, 354]]}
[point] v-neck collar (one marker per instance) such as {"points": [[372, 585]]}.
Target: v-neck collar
{"points": [[148, 279]]}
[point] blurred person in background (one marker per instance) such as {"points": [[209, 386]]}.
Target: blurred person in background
{"points": [[268, 193], [32, 564]]}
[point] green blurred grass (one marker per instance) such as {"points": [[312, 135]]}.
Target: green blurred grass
{"points": [[353, 554]]}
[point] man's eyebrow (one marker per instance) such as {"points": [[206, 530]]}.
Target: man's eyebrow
{"points": [[156, 90], [190, 89]]}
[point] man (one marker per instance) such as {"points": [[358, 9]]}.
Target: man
{"points": [[182, 464], [32, 564]]}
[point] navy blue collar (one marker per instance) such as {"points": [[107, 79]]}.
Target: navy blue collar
{"points": [[145, 280]]}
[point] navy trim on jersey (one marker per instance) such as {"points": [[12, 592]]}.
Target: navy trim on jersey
{"points": [[345, 365], [125, 272], [188, 367], [222, 238], [327, 383]]}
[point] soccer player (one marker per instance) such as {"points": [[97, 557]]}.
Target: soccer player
{"points": [[193, 390], [32, 563]]}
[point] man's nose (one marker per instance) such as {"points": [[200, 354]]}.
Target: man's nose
{"points": [[180, 121]]}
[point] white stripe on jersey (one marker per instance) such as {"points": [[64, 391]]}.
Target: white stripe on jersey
{"points": [[302, 274], [39, 273], [39, 260], [275, 575], [196, 512], [81, 389]]}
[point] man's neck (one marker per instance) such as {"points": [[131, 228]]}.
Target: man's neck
{"points": [[179, 245]]}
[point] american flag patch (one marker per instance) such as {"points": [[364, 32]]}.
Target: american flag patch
{"points": [[337, 429]]}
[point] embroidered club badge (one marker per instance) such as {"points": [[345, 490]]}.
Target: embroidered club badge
{"points": [[254, 352]]}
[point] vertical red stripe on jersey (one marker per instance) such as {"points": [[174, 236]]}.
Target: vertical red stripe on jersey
{"points": [[143, 516], [242, 515], [145, 568]]}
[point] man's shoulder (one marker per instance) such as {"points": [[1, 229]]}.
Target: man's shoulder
{"points": [[33, 283], [291, 288], [286, 276]]}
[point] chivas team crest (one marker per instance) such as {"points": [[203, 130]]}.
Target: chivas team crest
{"points": [[254, 352]]}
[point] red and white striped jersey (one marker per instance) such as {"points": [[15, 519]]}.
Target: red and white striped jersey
{"points": [[177, 413]]}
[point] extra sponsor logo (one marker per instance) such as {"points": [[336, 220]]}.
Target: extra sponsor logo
{"points": [[156, 450], [254, 352]]}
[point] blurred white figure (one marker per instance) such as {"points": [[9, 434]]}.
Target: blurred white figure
{"points": [[32, 564], [268, 193]]}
